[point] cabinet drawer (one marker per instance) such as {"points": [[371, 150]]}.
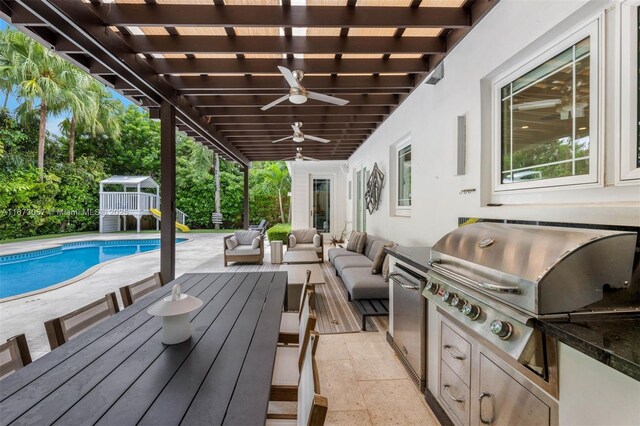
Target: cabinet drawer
{"points": [[454, 393], [456, 352]]}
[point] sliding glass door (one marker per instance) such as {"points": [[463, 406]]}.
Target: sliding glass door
{"points": [[321, 204]]}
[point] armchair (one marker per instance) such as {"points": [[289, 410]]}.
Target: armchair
{"points": [[240, 247], [306, 239]]}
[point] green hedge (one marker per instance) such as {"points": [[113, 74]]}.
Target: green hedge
{"points": [[279, 232]]}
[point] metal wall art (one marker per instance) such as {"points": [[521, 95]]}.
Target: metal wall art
{"points": [[374, 189]]}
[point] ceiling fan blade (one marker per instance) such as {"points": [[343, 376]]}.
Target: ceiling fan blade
{"points": [[296, 128], [327, 98], [276, 102], [317, 139], [288, 158], [288, 75], [283, 139], [310, 159]]}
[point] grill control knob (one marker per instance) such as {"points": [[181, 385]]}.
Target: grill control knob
{"points": [[447, 297], [432, 287], [457, 302], [502, 329], [471, 311]]}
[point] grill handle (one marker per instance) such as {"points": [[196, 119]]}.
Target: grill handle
{"points": [[498, 288]]}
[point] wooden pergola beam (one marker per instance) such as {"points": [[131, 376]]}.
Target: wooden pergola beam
{"points": [[161, 44], [318, 119], [261, 100], [319, 66], [269, 82], [168, 15]]}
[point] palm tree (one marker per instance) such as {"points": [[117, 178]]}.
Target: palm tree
{"points": [[43, 81], [278, 179]]}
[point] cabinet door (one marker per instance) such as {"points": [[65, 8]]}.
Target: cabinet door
{"points": [[504, 401]]}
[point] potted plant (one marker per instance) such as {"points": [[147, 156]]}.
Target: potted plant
{"points": [[335, 240]]}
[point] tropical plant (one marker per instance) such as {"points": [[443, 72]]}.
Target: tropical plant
{"points": [[276, 178]]}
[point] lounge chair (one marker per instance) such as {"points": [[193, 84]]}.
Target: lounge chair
{"points": [[262, 227]]}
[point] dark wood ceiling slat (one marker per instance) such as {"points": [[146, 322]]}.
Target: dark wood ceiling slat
{"points": [[278, 44], [276, 16], [260, 100], [295, 111]]}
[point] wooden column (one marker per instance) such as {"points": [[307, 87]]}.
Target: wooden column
{"points": [[245, 171], [168, 185]]}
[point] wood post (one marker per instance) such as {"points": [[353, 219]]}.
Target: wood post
{"points": [[245, 171], [168, 184]]}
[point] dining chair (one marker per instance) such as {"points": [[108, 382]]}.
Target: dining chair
{"points": [[62, 329], [289, 359], [312, 407], [290, 321], [14, 354], [132, 292]]}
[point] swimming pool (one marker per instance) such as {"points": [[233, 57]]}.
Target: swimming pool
{"points": [[35, 270]]}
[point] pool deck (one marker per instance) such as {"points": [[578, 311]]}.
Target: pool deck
{"points": [[201, 253]]}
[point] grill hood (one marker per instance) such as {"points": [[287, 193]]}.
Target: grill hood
{"points": [[541, 270]]}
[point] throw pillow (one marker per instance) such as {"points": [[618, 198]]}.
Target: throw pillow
{"points": [[232, 243], [385, 269], [317, 240], [380, 258], [255, 243], [292, 241], [357, 241]]}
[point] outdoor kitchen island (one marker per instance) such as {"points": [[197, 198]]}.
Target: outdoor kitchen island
{"points": [[594, 365]]}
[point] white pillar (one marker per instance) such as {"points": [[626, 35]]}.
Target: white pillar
{"points": [[138, 224]]}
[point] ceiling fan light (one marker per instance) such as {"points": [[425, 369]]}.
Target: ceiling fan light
{"points": [[298, 138], [298, 158], [297, 99]]}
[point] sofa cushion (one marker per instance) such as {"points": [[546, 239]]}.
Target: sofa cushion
{"points": [[243, 251], [344, 262], [375, 248], [255, 244], [305, 246], [339, 251], [357, 242], [385, 269], [361, 284], [232, 242], [381, 255], [246, 237], [304, 235]]}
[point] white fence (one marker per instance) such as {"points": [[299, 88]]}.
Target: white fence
{"points": [[122, 203]]}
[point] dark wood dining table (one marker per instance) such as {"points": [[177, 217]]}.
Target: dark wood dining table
{"points": [[120, 373]]}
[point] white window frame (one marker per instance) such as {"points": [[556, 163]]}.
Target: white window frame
{"points": [[626, 152], [594, 30], [394, 172]]}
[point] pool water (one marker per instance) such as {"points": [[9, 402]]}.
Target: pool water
{"points": [[26, 272]]}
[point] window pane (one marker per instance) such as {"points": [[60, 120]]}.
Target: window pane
{"points": [[404, 177], [545, 119]]}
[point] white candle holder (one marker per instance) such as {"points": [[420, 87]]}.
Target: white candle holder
{"points": [[174, 311]]}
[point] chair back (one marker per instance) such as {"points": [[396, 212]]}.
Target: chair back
{"points": [[14, 354], [306, 287], [312, 408], [132, 292], [307, 324], [62, 329]]}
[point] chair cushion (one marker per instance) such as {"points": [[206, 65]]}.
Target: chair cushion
{"points": [[304, 235], [285, 368], [255, 244], [281, 422], [363, 285], [243, 251], [292, 242], [232, 242], [344, 262], [289, 323], [305, 246], [246, 237], [317, 241], [357, 241], [339, 251]]}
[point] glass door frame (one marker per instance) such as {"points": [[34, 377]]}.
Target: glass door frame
{"points": [[332, 199]]}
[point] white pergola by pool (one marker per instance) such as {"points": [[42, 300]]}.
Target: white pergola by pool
{"points": [[129, 199]]}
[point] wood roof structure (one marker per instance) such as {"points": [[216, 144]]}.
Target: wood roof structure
{"points": [[216, 61]]}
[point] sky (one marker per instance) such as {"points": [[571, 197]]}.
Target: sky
{"points": [[53, 122]]}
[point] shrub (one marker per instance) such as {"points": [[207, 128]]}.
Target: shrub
{"points": [[279, 232]]}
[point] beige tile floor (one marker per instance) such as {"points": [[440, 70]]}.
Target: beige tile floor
{"points": [[366, 384]]}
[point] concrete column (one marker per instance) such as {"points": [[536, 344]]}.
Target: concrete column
{"points": [[168, 184]]}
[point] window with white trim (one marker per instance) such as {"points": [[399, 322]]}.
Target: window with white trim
{"points": [[547, 117], [404, 177]]}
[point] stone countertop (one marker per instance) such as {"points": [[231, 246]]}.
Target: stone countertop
{"points": [[418, 257], [613, 339]]}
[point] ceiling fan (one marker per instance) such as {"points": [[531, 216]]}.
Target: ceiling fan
{"points": [[298, 94], [298, 136], [299, 156]]}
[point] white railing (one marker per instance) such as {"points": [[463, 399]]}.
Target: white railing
{"points": [[123, 202]]}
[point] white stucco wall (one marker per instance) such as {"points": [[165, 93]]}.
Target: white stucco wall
{"points": [[510, 32]]}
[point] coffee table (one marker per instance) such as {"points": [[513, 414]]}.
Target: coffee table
{"points": [[302, 256], [296, 276]]}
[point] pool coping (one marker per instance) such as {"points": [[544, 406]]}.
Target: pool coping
{"points": [[92, 270]]}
